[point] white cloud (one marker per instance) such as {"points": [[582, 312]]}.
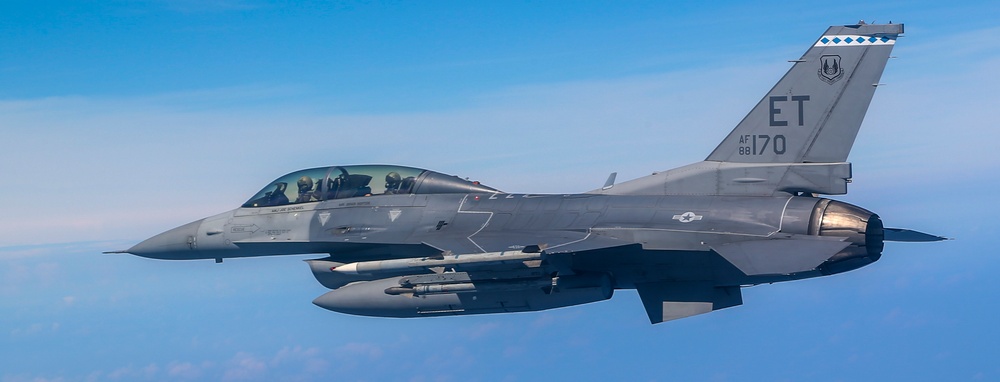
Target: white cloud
{"points": [[183, 370], [245, 366], [359, 349], [35, 329], [482, 330], [195, 163], [202, 152], [294, 354], [299, 363], [17, 276], [897, 317], [543, 320], [26, 378], [287, 363], [131, 373]]}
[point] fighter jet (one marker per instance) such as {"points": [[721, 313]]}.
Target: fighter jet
{"points": [[410, 242]]}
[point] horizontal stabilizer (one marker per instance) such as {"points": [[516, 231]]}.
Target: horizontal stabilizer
{"points": [[909, 235], [667, 301], [780, 256]]}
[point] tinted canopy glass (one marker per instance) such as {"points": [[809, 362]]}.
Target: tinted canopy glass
{"points": [[339, 182]]}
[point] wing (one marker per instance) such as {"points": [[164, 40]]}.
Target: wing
{"points": [[799, 253]]}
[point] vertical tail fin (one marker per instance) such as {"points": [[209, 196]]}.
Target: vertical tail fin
{"points": [[797, 138], [814, 112]]}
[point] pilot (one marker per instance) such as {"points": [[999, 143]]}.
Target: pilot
{"points": [[305, 190], [392, 180]]}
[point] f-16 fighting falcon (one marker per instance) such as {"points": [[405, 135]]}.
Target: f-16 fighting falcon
{"points": [[409, 242]]}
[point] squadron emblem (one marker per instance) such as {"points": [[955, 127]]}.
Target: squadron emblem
{"points": [[829, 69]]}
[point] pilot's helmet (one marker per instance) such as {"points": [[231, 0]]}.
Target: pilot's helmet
{"points": [[305, 184], [392, 179]]}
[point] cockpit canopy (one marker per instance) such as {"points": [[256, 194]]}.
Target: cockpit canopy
{"points": [[339, 182]]}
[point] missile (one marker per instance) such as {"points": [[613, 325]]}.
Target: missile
{"points": [[486, 286], [492, 259]]}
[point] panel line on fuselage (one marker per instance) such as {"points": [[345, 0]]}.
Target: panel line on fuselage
{"points": [[781, 221], [589, 232], [486, 223]]}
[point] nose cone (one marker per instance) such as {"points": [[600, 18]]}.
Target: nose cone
{"points": [[178, 243]]}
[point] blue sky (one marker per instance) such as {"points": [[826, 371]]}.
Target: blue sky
{"points": [[123, 119]]}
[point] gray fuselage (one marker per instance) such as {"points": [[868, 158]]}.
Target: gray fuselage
{"points": [[672, 236]]}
